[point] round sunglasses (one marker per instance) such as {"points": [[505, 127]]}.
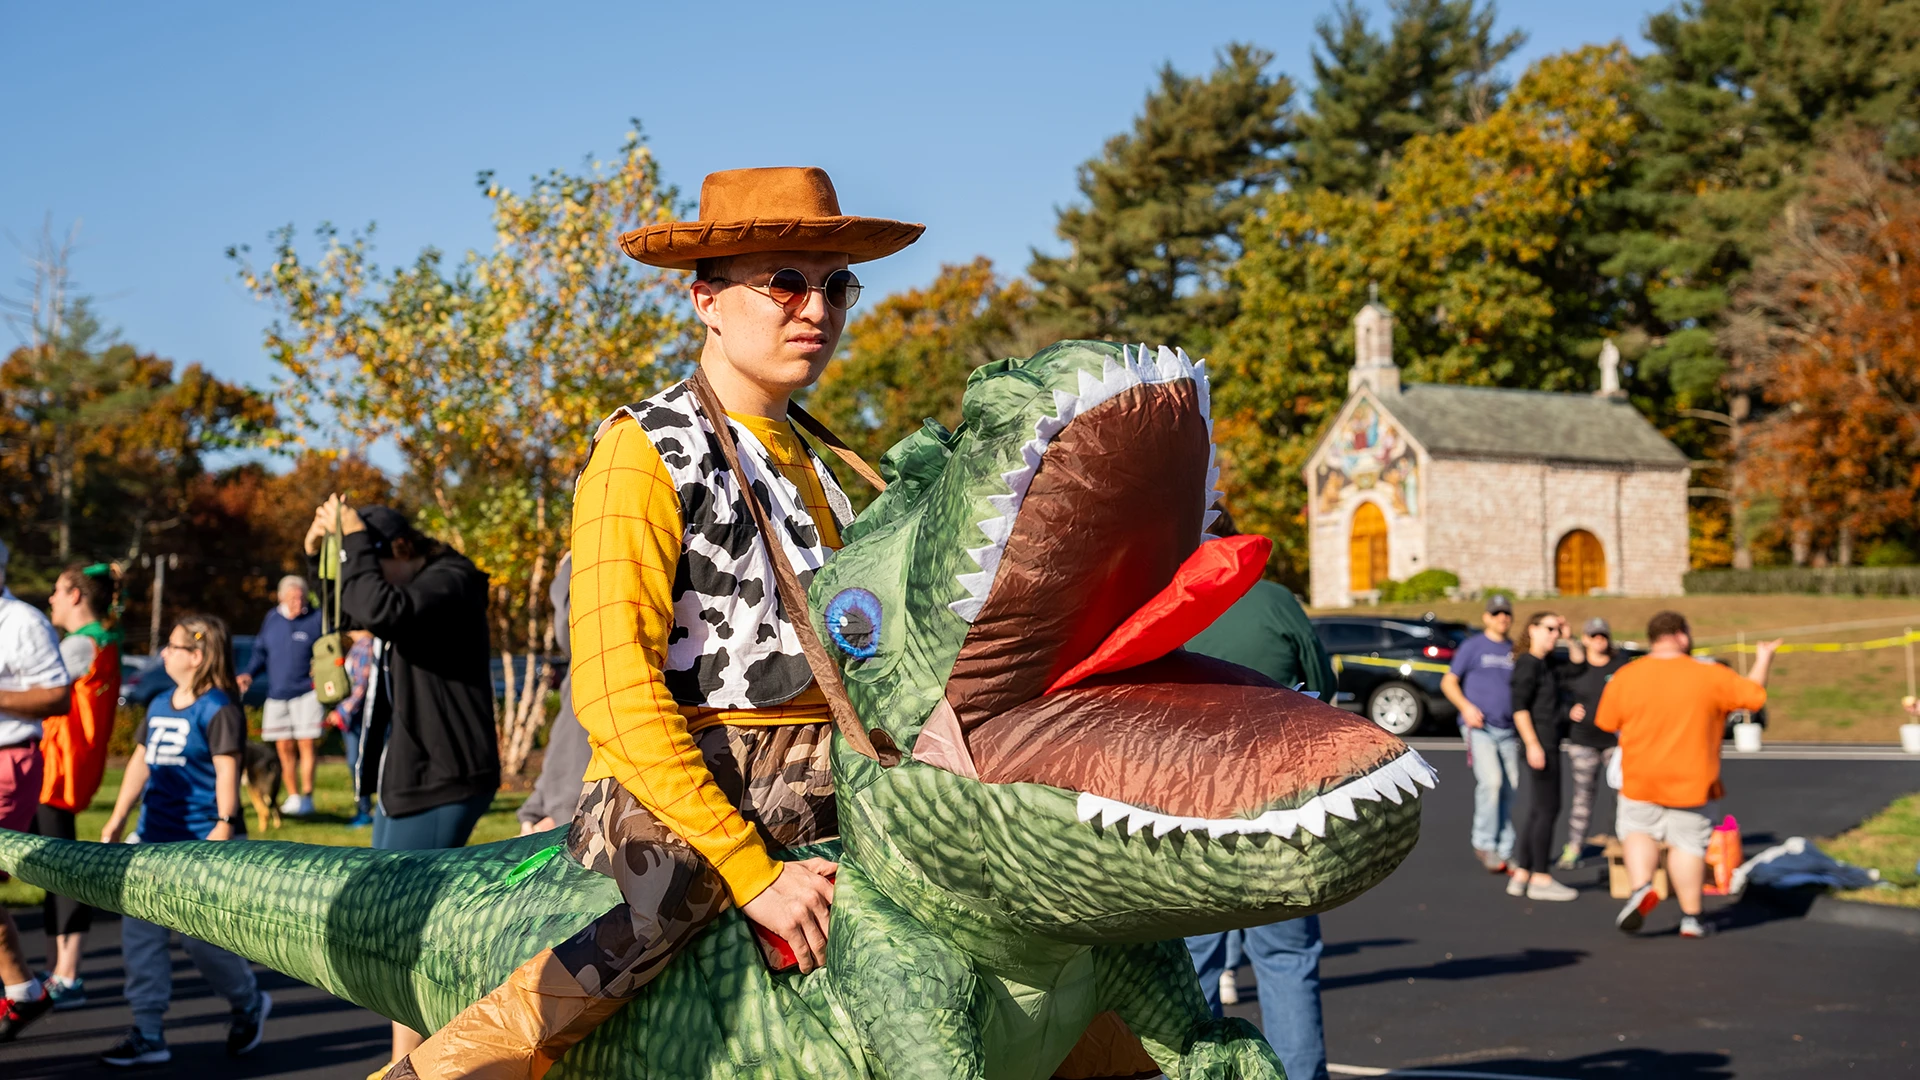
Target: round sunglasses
{"points": [[789, 287]]}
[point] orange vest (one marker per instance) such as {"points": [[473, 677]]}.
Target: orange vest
{"points": [[74, 747]]}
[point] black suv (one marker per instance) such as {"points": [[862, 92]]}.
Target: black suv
{"points": [[1392, 666]]}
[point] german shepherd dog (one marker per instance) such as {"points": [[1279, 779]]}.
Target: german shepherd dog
{"points": [[262, 778]]}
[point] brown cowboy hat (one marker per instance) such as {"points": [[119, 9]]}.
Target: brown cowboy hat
{"points": [[747, 210]]}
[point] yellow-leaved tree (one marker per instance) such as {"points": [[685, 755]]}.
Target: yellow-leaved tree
{"points": [[488, 377], [1476, 244]]}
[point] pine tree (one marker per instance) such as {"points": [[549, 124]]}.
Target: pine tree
{"points": [[1740, 95], [1433, 73], [1159, 226]]}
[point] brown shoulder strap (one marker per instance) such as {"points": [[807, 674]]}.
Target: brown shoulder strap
{"points": [[876, 745], [840, 449]]}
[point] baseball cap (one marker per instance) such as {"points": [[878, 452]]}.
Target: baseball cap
{"points": [[1597, 625], [385, 525], [1499, 604]]}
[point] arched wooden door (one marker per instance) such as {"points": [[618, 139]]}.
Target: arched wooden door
{"points": [[1367, 549], [1579, 564]]}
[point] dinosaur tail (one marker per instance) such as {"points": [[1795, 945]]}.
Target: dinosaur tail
{"points": [[414, 936]]}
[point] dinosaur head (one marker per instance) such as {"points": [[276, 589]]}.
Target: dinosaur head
{"points": [[988, 613]]}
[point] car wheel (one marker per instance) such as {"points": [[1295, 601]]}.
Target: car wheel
{"points": [[1396, 706]]}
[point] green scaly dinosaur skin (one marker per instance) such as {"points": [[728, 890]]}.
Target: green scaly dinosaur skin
{"points": [[977, 927]]}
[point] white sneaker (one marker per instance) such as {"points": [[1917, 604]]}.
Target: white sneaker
{"points": [[1551, 890], [1229, 989], [292, 804], [1516, 884]]}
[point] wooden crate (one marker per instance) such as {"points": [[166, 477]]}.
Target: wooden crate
{"points": [[1619, 884]]}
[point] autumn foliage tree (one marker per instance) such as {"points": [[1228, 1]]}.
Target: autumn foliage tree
{"points": [[1467, 244], [907, 359], [489, 376], [1828, 332]]}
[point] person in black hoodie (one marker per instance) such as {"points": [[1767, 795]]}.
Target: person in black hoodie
{"points": [[428, 751], [1588, 748], [1537, 667]]}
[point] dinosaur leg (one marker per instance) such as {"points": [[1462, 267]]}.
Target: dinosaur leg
{"points": [[557, 998], [911, 993], [1154, 990]]}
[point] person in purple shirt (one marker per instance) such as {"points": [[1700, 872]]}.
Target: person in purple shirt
{"points": [[1480, 684]]}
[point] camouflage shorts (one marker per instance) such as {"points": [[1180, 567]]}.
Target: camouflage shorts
{"points": [[781, 780]]}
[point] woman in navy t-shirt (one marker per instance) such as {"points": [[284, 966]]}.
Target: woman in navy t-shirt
{"points": [[185, 773]]}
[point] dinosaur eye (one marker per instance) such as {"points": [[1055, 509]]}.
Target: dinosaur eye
{"points": [[853, 618]]}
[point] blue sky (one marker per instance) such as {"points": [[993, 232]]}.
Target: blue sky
{"points": [[171, 131]]}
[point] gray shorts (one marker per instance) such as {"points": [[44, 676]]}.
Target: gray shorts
{"points": [[1686, 828], [294, 718]]}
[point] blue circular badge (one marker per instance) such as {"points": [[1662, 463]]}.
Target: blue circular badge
{"points": [[853, 619]]}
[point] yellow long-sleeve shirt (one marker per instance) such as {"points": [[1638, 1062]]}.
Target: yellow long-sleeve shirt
{"points": [[627, 533]]}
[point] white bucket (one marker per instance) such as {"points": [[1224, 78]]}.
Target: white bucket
{"points": [[1746, 738], [1910, 738]]}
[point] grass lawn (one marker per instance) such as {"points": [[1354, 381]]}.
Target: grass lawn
{"points": [[1890, 842], [1816, 697], [333, 808]]}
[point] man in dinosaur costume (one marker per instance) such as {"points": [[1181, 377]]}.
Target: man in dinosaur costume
{"points": [[1011, 895]]}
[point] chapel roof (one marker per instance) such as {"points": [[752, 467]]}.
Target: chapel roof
{"points": [[1484, 421]]}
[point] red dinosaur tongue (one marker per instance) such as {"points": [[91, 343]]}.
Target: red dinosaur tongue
{"points": [[1218, 573]]}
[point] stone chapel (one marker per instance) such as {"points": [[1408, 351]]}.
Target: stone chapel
{"points": [[1541, 493]]}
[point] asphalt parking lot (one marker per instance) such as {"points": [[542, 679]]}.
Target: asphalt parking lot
{"points": [[1436, 973], [1440, 973]]}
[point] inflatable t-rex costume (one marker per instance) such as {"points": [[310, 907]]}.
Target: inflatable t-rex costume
{"points": [[1077, 795]]}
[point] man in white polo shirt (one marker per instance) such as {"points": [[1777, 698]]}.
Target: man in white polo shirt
{"points": [[33, 684]]}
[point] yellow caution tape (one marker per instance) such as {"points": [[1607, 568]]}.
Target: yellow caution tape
{"points": [[1405, 667], [1818, 647]]}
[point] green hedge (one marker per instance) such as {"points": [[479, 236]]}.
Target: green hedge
{"points": [[1831, 581], [1420, 588]]}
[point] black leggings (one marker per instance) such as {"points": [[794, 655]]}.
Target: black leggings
{"points": [[64, 915], [1543, 805]]}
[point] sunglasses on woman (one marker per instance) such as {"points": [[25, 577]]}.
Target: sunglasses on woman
{"points": [[789, 287]]}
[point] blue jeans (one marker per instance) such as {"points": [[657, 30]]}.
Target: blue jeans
{"points": [[1286, 964], [445, 826], [1495, 755], [351, 736]]}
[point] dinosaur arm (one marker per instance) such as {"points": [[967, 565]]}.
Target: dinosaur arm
{"points": [[1152, 987], [911, 993]]}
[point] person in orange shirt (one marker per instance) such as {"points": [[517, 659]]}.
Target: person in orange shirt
{"points": [[711, 742], [1670, 711], [73, 749]]}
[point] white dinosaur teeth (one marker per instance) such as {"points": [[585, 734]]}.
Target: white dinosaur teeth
{"points": [[1313, 816], [1138, 364], [1089, 386], [1281, 823], [997, 529], [986, 557], [1408, 772]]}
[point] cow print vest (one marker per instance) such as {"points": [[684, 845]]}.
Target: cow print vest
{"points": [[732, 644]]}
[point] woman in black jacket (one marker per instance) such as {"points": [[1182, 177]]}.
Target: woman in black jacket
{"points": [[1536, 716], [429, 750]]}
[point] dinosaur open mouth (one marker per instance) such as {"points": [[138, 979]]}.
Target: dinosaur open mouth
{"points": [[1197, 744], [1109, 502]]}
